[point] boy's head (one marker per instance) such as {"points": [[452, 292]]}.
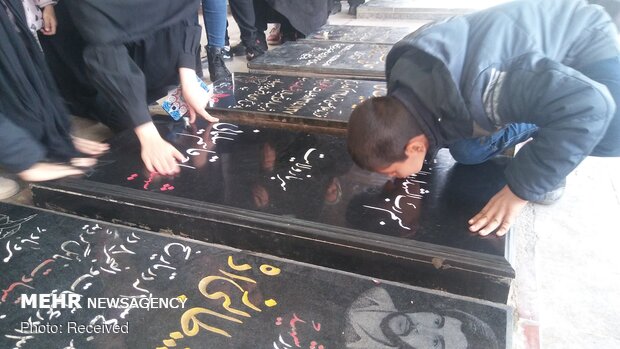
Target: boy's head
{"points": [[384, 137]]}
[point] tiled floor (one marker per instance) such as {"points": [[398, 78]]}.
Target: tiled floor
{"points": [[568, 279]]}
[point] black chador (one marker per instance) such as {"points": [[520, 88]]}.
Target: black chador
{"points": [[122, 55], [34, 124]]}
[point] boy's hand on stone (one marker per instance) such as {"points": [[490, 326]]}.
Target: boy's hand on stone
{"points": [[499, 213]]}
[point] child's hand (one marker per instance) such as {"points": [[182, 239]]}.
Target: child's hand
{"points": [[49, 20], [499, 214], [195, 96]]}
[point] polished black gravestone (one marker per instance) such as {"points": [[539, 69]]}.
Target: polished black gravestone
{"points": [[335, 59], [419, 9], [324, 103], [354, 33], [297, 195], [159, 291]]}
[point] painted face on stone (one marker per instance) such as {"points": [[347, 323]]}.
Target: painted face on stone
{"points": [[424, 330]]}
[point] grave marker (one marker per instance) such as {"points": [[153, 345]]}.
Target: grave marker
{"points": [[365, 34], [297, 195], [420, 9], [334, 59], [136, 289], [324, 103]]}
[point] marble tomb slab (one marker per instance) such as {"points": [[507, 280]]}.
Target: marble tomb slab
{"points": [[323, 103], [420, 9], [138, 289], [341, 60], [354, 34], [297, 195]]}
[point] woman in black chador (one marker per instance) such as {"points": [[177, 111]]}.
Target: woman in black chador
{"points": [[34, 126], [124, 55]]}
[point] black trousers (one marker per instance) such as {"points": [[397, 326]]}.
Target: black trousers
{"points": [[245, 16], [352, 2], [266, 14]]}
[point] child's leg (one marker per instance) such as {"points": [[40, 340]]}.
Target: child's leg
{"points": [[214, 15], [244, 15], [477, 150]]}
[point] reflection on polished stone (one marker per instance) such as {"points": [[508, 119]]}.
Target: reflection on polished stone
{"points": [[349, 60], [303, 100], [434, 205], [366, 34], [158, 291], [311, 177], [298, 195]]}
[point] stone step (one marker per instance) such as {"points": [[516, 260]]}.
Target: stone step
{"points": [[185, 293]]}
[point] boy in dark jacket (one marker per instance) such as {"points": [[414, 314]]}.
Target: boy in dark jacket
{"points": [[480, 83]]}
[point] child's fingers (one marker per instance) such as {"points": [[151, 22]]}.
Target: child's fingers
{"points": [[207, 116], [192, 115]]}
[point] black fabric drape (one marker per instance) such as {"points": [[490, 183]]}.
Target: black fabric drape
{"points": [[121, 21], [305, 16], [121, 55], [29, 99]]}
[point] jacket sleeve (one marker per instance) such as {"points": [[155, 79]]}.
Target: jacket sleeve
{"points": [[190, 47], [571, 111], [117, 76]]}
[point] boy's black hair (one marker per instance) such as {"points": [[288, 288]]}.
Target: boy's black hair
{"points": [[378, 132]]}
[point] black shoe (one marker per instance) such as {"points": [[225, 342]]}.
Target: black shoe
{"points": [[217, 67], [238, 50], [353, 10], [291, 36], [261, 41], [226, 54], [254, 51], [353, 4]]}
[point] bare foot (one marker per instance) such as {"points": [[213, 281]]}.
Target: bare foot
{"points": [[89, 147], [44, 171]]}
